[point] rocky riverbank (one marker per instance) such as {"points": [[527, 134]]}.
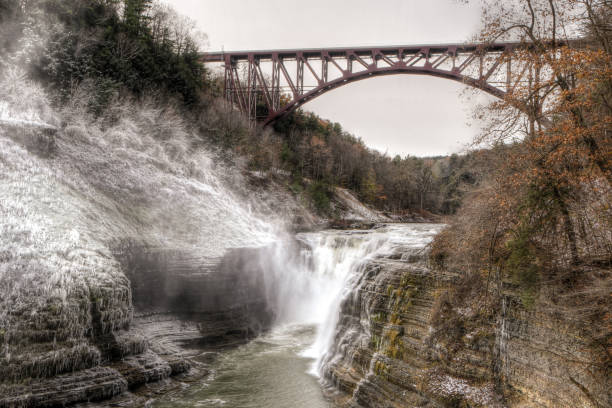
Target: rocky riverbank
{"points": [[101, 226], [181, 304], [390, 352]]}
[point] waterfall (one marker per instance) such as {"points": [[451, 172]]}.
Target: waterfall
{"points": [[338, 259], [311, 275]]}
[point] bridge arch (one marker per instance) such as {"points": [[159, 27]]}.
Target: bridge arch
{"points": [[388, 71], [492, 68]]}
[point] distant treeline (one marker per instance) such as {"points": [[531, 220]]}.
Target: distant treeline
{"points": [[321, 151]]}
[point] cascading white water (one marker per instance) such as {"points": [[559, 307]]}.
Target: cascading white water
{"points": [[307, 275], [310, 279], [337, 259]]}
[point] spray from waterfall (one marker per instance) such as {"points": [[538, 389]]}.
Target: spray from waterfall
{"points": [[136, 179], [308, 277]]}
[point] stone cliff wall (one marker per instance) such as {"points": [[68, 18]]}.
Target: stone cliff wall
{"points": [[179, 301], [387, 353]]}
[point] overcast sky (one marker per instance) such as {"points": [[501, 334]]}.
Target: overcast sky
{"points": [[399, 114]]}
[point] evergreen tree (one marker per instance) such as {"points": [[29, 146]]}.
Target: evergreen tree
{"points": [[135, 16]]}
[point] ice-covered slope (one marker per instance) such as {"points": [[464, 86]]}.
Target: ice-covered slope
{"points": [[71, 195]]}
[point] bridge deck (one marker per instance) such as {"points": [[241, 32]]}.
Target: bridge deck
{"points": [[219, 56]]}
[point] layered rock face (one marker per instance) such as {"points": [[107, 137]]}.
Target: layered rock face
{"points": [[387, 354], [179, 301], [550, 360], [225, 297], [380, 354]]}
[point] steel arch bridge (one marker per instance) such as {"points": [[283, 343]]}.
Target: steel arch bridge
{"points": [[304, 74]]}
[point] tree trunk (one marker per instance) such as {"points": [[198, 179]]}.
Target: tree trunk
{"points": [[568, 227]]}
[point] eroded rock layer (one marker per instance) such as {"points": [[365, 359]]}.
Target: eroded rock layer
{"points": [[387, 353], [180, 301]]}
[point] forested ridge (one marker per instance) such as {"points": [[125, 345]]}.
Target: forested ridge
{"points": [[135, 46]]}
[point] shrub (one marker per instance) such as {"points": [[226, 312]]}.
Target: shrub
{"points": [[522, 267], [319, 193]]}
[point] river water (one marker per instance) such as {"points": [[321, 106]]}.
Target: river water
{"points": [[270, 371], [282, 368]]}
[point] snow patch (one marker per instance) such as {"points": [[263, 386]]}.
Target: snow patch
{"points": [[353, 209], [456, 387]]}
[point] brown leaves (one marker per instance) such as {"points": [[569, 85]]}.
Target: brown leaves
{"points": [[554, 130]]}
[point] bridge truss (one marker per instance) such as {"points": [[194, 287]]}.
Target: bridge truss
{"points": [[283, 80]]}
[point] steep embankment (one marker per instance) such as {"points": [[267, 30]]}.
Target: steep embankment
{"points": [[87, 206], [387, 352]]}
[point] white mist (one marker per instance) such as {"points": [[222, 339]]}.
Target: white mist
{"points": [[309, 277]]}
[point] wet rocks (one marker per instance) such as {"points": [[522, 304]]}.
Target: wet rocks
{"points": [[94, 384], [142, 369]]}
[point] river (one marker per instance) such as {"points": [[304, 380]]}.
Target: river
{"points": [[270, 371], [282, 368]]}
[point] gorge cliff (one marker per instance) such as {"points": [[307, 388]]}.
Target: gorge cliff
{"points": [[399, 345]]}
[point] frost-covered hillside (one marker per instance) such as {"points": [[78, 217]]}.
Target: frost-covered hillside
{"points": [[72, 189]]}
